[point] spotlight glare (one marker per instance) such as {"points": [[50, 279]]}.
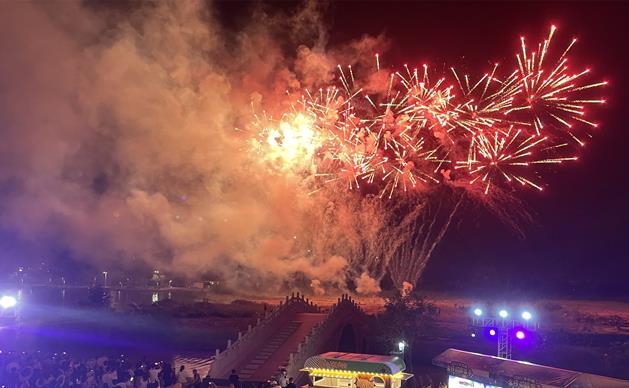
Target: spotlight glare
{"points": [[473, 335], [503, 313], [492, 332], [526, 315], [7, 302], [519, 334], [478, 312]]}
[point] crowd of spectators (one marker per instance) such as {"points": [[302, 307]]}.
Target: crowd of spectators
{"points": [[43, 370]]}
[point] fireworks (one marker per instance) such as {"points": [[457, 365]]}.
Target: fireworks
{"points": [[505, 154], [413, 132]]}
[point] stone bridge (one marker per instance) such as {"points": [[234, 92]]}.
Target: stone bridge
{"points": [[287, 336]]}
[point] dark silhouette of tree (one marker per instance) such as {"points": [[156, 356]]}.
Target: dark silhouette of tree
{"points": [[406, 317]]}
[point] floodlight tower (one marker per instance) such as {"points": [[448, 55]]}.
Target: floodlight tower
{"points": [[504, 327]]}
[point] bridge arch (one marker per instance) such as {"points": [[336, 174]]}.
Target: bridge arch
{"points": [[290, 334], [347, 340], [350, 336]]}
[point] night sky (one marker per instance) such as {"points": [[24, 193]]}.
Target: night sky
{"points": [[578, 242]]}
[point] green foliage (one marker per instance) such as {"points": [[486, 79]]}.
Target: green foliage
{"points": [[405, 317]]}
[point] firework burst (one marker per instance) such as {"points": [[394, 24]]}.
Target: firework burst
{"points": [[492, 130], [552, 91], [507, 155]]}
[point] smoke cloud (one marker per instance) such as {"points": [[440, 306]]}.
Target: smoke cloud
{"points": [[124, 141], [367, 285]]}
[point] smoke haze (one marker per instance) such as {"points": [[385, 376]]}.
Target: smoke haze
{"points": [[124, 142]]}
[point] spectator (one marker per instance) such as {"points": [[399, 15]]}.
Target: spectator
{"points": [[206, 382], [282, 379], [182, 378], [43, 370], [109, 377], [154, 374], [196, 379], [234, 379], [291, 384], [167, 376]]}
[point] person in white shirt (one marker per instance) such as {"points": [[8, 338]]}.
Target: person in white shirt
{"points": [[282, 379], [154, 373], [109, 377], [182, 377]]}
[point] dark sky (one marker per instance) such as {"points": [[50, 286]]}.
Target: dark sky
{"points": [[578, 243]]}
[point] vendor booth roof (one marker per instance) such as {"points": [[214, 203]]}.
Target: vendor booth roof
{"points": [[353, 362], [487, 368]]}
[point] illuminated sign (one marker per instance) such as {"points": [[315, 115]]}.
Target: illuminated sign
{"points": [[329, 364]]}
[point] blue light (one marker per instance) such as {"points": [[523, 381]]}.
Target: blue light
{"points": [[503, 313], [526, 315], [478, 312]]}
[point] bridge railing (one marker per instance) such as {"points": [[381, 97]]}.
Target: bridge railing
{"points": [[249, 341], [315, 340]]}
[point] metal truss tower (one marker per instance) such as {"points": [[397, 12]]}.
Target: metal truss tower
{"points": [[505, 329]]}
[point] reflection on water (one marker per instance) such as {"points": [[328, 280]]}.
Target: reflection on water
{"points": [[61, 319], [118, 298]]}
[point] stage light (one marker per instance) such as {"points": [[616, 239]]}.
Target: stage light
{"points": [[504, 324], [7, 302], [401, 346]]}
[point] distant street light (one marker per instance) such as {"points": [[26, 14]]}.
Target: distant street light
{"points": [[401, 346], [8, 302]]}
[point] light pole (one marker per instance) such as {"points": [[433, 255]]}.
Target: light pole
{"points": [[401, 349], [401, 346]]}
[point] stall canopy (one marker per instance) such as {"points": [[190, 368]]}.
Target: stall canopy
{"points": [[360, 363], [500, 371]]}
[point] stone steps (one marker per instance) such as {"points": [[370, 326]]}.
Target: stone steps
{"points": [[269, 348]]}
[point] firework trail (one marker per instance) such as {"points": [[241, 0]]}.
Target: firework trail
{"points": [[419, 141]]}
